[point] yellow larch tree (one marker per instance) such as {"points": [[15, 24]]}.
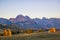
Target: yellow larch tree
{"points": [[9, 32], [52, 29], [5, 32]]}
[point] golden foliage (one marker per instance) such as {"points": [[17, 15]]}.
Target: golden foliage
{"points": [[40, 31], [29, 31], [7, 32], [52, 30]]}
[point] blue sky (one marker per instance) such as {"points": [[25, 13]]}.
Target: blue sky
{"points": [[31, 8]]}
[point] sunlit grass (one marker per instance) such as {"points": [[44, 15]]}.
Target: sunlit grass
{"points": [[33, 36]]}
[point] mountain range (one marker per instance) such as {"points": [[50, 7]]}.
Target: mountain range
{"points": [[26, 22]]}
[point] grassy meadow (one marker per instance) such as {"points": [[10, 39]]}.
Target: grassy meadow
{"points": [[33, 36]]}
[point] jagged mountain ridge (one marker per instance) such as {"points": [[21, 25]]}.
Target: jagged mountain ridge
{"points": [[26, 22], [38, 23], [5, 21]]}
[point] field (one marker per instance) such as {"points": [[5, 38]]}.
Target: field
{"points": [[33, 36]]}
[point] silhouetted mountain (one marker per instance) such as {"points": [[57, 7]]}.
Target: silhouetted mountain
{"points": [[44, 23], [5, 21], [19, 18], [12, 20], [26, 22]]}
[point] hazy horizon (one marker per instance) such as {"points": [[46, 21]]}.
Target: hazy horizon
{"points": [[31, 8]]}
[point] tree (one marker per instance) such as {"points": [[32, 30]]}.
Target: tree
{"points": [[5, 32], [9, 32], [52, 29], [29, 31]]}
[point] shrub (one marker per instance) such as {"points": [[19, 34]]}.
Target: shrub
{"points": [[5, 32], [40, 30], [52, 30], [9, 32]]}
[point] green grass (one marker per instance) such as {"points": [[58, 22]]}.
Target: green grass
{"points": [[33, 36]]}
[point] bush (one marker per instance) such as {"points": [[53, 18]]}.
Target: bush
{"points": [[40, 30]]}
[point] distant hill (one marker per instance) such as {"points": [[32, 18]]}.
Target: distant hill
{"points": [[26, 22], [5, 21]]}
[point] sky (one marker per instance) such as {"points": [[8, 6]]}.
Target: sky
{"points": [[31, 8]]}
